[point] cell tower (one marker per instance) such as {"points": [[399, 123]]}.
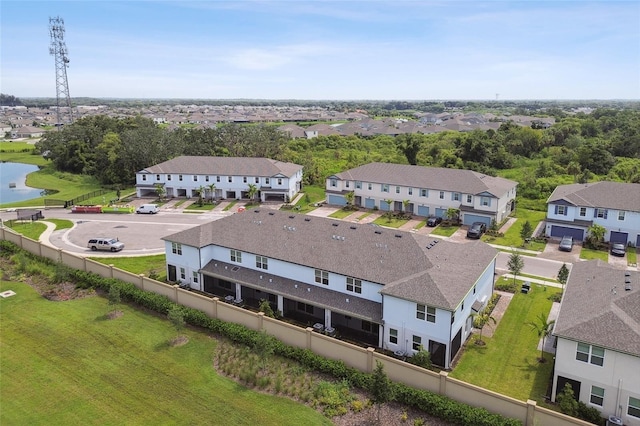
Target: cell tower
{"points": [[58, 49]]}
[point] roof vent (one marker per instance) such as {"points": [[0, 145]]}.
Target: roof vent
{"points": [[235, 268], [256, 211], [398, 235], [377, 231], [353, 227], [291, 217], [429, 247], [627, 284], [334, 224], [435, 241], [271, 213], [306, 219]]}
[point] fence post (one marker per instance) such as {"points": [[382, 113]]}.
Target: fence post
{"points": [[214, 307], [309, 330], [370, 365], [531, 413], [442, 390], [260, 320], [141, 281], [111, 270]]}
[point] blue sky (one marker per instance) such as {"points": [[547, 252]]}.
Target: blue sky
{"points": [[323, 49]]}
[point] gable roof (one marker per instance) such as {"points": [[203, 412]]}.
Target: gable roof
{"points": [[596, 308], [605, 194], [455, 180], [226, 166], [440, 275]]}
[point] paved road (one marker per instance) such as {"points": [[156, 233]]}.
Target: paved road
{"points": [[533, 265]]}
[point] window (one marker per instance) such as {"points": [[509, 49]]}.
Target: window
{"points": [[244, 179], [183, 273], [424, 192], [144, 177], [236, 256], [417, 342], [206, 178], [322, 277], [474, 289], [354, 285], [601, 213], [393, 336], [217, 178], [358, 185], [168, 177], [303, 307], [485, 201], [195, 178], [410, 191], [426, 313], [257, 180], [266, 181], [230, 179], [195, 277], [384, 187], [157, 177], [561, 210], [180, 178], [397, 189], [591, 354], [366, 326], [346, 184], [442, 195], [469, 198], [583, 211], [333, 183], [369, 186], [420, 312], [280, 181], [597, 396], [455, 196], [634, 407], [621, 215], [261, 262], [176, 248]]}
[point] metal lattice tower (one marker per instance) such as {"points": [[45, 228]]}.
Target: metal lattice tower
{"points": [[58, 49]]}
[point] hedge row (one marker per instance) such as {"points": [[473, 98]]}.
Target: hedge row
{"points": [[429, 402]]}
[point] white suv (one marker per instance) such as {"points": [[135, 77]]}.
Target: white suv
{"points": [[109, 244]]}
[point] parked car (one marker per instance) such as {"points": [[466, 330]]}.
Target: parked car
{"points": [[148, 209], [434, 221], [109, 244], [476, 230], [618, 249], [566, 244]]}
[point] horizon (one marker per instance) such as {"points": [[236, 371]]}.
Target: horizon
{"points": [[351, 51]]}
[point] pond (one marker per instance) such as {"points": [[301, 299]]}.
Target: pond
{"points": [[12, 183]]}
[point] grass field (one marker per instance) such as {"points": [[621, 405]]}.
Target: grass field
{"points": [[64, 363], [31, 230], [515, 372], [590, 254], [148, 265], [444, 231], [512, 237]]}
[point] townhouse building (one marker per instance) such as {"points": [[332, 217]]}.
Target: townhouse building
{"points": [[572, 209], [425, 191], [598, 340], [222, 177], [375, 286]]}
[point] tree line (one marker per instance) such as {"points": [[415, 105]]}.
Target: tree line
{"points": [[605, 143]]}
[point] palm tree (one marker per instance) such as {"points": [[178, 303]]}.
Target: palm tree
{"points": [[212, 188], [252, 191], [160, 190], [349, 197], [480, 320], [543, 327]]}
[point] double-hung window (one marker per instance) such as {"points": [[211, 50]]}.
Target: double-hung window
{"points": [[393, 336], [358, 184], [442, 195], [229, 179], [369, 186], [583, 211], [455, 196], [397, 189], [236, 256], [469, 198], [410, 191], [195, 178], [621, 215], [354, 285], [634, 407], [426, 313], [183, 273], [195, 277], [591, 354], [322, 277], [600, 213], [262, 262], [485, 201], [424, 192], [384, 187], [561, 210], [176, 248], [417, 343], [597, 395]]}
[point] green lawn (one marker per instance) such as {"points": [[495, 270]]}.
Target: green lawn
{"points": [[148, 265], [515, 372], [632, 256], [61, 223], [311, 195], [444, 231], [390, 222], [21, 152], [512, 237], [590, 254], [64, 363], [31, 230], [341, 214]]}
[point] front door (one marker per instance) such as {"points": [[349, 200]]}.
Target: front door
{"points": [[171, 273]]}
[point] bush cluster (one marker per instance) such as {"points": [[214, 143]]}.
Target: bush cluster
{"points": [[434, 404]]}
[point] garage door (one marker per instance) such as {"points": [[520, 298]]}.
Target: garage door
{"points": [[369, 203], [638, 241], [619, 237], [336, 200], [561, 231], [441, 213], [470, 218], [423, 211]]}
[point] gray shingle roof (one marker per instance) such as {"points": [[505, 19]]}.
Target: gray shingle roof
{"points": [[596, 308], [440, 276], [225, 166], [613, 195], [438, 178]]}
